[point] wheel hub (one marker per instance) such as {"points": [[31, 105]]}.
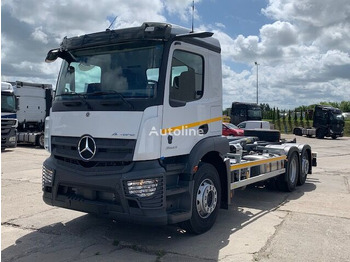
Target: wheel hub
{"points": [[293, 170], [305, 165], [207, 197]]}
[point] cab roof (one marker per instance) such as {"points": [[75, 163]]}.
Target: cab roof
{"points": [[147, 31]]}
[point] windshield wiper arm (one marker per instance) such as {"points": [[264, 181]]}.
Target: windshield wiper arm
{"points": [[113, 92], [81, 97]]}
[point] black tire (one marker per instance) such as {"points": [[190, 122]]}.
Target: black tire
{"points": [[297, 131], [288, 181], [305, 166], [206, 200], [40, 140], [320, 133], [334, 137], [264, 134]]}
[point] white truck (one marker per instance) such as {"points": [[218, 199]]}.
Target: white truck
{"points": [[34, 103], [8, 116], [135, 131]]}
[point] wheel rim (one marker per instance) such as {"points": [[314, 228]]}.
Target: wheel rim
{"points": [[207, 198], [305, 165], [293, 170]]}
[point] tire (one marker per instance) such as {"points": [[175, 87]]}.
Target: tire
{"points": [[334, 137], [305, 166], [297, 131], [40, 140], [206, 200], [264, 134], [320, 133], [288, 181]]}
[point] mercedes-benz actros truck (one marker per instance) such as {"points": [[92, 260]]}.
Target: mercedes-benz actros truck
{"points": [[8, 116], [135, 131]]}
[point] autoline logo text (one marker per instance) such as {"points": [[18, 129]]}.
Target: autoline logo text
{"points": [[184, 131]]}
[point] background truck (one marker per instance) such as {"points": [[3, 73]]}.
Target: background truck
{"points": [[8, 116], [34, 103], [327, 122], [245, 111], [135, 131]]}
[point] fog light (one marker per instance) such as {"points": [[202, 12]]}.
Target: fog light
{"points": [[47, 177], [12, 139], [142, 187]]}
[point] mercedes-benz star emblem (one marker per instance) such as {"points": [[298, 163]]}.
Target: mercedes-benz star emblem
{"points": [[87, 148]]}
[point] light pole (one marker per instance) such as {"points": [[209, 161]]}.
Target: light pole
{"points": [[257, 82]]}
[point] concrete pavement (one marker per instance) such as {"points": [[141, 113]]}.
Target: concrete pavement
{"points": [[310, 224]]}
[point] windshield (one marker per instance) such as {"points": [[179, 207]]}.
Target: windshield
{"points": [[254, 113], [8, 103], [338, 117], [124, 71]]}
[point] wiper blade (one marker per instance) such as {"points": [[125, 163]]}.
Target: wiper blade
{"points": [[112, 92], [81, 97]]}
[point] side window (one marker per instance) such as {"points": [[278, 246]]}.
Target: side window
{"points": [[186, 83]]}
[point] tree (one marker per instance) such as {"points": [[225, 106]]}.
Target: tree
{"points": [[289, 116]]}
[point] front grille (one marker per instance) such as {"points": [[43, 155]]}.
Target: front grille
{"points": [[109, 152], [6, 125]]}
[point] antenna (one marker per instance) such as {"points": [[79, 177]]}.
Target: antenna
{"points": [[112, 23], [192, 15]]}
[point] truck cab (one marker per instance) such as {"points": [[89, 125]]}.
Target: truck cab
{"points": [[328, 121], [132, 116], [244, 112], [8, 116]]}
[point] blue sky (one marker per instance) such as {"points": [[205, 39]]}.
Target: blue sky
{"points": [[302, 46]]}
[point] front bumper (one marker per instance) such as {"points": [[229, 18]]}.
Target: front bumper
{"points": [[106, 193], [10, 139]]}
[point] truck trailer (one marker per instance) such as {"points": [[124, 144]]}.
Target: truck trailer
{"points": [[134, 131], [8, 116], [327, 122], [34, 103]]}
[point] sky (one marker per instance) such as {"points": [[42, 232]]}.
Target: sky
{"points": [[302, 46]]}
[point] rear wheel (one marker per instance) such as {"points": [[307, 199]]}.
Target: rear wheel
{"points": [[288, 181], [40, 140], [305, 165], [206, 200]]}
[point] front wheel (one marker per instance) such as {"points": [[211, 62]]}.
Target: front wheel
{"points": [[206, 200]]}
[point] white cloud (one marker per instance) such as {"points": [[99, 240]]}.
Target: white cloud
{"points": [[39, 35], [303, 53]]}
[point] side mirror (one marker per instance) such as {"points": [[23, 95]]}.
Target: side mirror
{"points": [[17, 103], [52, 55]]}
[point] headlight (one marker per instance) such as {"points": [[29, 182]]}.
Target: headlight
{"points": [[142, 187], [47, 177], [12, 139]]}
